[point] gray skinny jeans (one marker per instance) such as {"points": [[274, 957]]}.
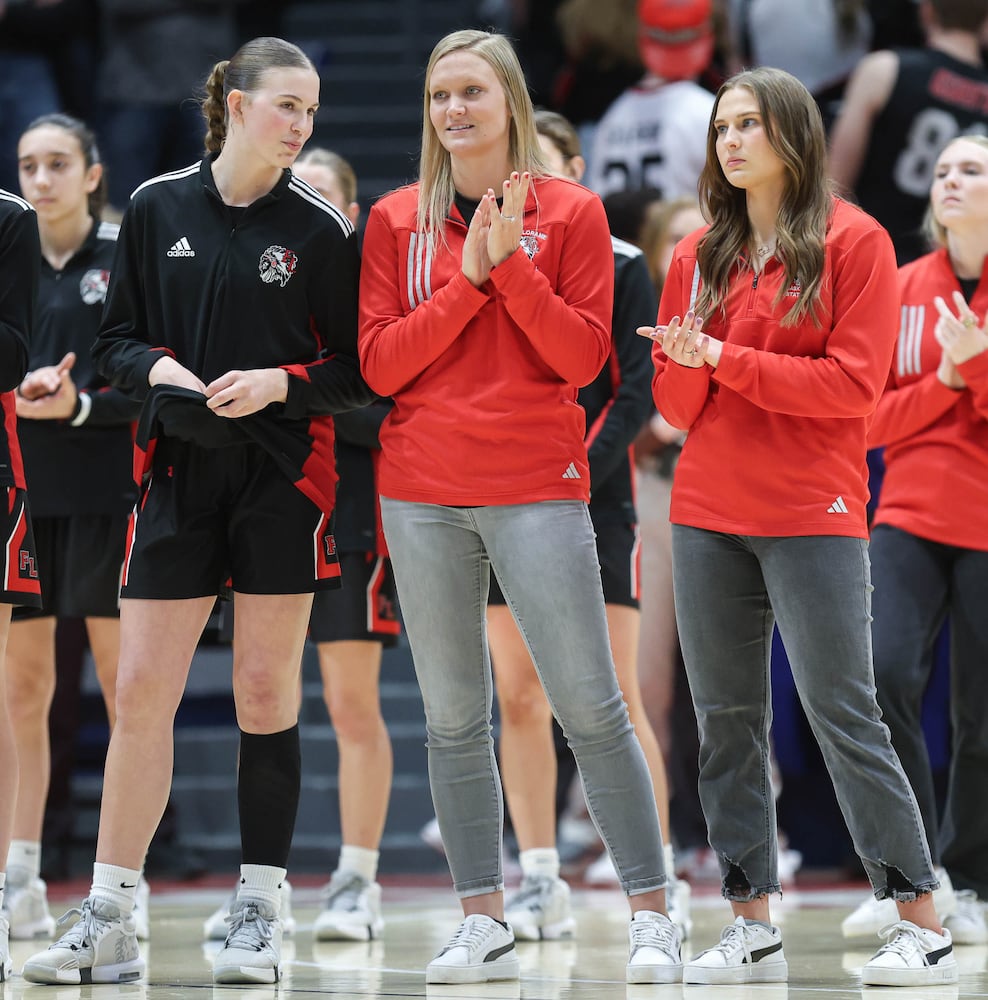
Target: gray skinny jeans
{"points": [[545, 559], [730, 591]]}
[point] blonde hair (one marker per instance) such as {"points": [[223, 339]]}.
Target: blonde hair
{"points": [[244, 72], [658, 219], [935, 233], [341, 169], [436, 189], [795, 132]]}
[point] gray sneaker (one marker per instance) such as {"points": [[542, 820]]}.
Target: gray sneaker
{"points": [[101, 947], [540, 910], [252, 952], [351, 909]]}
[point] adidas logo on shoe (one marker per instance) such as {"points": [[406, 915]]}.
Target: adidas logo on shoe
{"points": [[181, 249]]}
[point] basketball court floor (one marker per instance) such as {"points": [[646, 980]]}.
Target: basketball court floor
{"points": [[420, 915]]}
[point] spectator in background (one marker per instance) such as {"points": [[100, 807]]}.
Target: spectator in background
{"points": [[28, 87], [601, 60], [900, 108], [652, 136], [155, 55], [77, 441], [818, 41], [929, 541]]}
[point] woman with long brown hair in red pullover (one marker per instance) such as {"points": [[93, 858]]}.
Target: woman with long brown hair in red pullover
{"points": [[775, 334]]}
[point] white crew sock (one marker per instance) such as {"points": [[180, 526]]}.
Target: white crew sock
{"points": [[540, 861], [361, 860], [262, 883], [115, 885], [25, 855]]}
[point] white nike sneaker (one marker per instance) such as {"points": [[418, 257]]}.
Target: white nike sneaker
{"points": [[351, 909], [101, 947], [540, 910], [25, 905], [217, 925], [252, 952]]}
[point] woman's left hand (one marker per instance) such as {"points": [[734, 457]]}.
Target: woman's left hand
{"points": [[507, 221], [238, 394], [960, 335], [684, 341]]}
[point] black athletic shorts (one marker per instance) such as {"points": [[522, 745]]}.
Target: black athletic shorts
{"points": [[619, 552], [365, 607], [80, 558], [213, 520], [21, 583]]}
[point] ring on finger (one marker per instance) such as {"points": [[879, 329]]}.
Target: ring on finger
{"points": [[508, 218], [968, 321]]}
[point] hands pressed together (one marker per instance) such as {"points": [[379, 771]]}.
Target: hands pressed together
{"points": [[494, 233], [235, 394]]}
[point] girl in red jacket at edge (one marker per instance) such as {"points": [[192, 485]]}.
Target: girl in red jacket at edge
{"points": [[774, 338], [929, 542], [485, 302]]}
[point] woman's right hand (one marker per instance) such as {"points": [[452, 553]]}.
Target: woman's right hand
{"points": [[961, 336], [167, 371], [476, 263]]}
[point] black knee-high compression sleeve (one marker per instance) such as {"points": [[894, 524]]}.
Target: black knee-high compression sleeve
{"points": [[268, 782]]}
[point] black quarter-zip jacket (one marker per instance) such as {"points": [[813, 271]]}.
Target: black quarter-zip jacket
{"points": [[221, 289]]}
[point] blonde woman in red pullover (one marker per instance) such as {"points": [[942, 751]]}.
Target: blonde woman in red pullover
{"points": [[485, 304], [929, 543], [776, 330]]}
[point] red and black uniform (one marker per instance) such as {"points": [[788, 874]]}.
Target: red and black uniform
{"points": [[516, 350], [20, 256], [777, 431], [366, 607], [79, 470], [929, 554], [223, 289]]}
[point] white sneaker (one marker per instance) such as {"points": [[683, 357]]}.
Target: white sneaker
{"points": [[655, 954], [967, 923], [217, 925], [25, 905], [747, 953], [601, 871], [875, 914], [678, 895], [540, 910], [481, 950], [911, 956], [252, 952], [6, 967], [351, 909], [142, 910], [101, 947]]}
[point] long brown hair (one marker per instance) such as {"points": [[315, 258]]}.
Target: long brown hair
{"points": [[243, 72], [795, 132], [436, 190]]}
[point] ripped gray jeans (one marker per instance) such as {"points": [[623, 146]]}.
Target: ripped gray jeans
{"points": [[730, 591]]}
